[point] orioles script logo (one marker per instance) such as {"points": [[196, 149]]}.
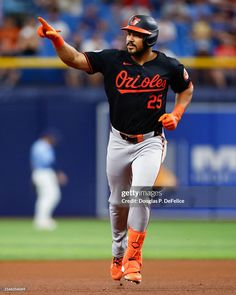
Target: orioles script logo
{"points": [[127, 84]]}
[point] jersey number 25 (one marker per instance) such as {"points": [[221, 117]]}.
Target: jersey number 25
{"points": [[154, 102]]}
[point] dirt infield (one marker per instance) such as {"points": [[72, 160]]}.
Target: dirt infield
{"points": [[162, 277]]}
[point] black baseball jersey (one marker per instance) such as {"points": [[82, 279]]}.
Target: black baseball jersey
{"points": [[137, 93]]}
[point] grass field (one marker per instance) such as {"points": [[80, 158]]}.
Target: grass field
{"points": [[91, 239]]}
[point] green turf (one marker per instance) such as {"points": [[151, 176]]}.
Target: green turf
{"points": [[90, 239]]}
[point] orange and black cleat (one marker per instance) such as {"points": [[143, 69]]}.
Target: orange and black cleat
{"points": [[132, 272], [116, 268]]}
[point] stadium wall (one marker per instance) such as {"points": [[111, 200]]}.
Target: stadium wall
{"points": [[25, 112]]}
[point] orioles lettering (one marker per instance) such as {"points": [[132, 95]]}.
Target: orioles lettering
{"points": [[127, 84]]}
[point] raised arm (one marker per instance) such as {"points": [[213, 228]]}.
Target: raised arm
{"points": [[68, 54]]}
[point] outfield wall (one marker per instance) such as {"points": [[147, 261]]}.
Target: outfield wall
{"points": [[202, 151]]}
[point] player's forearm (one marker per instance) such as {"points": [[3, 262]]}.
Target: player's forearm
{"points": [[184, 98], [71, 57], [67, 54]]}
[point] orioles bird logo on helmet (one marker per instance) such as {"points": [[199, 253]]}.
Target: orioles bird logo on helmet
{"points": [[135, 21]]}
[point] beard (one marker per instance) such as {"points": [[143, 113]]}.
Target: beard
{"points": [[134, 51]]}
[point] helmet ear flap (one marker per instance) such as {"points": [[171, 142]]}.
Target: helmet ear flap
{"points": [[149, 41]]}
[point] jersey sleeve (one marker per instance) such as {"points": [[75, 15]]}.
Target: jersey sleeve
{"points": [[180, 78], [98, 60]]}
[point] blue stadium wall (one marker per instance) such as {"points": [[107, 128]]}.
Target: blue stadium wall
{"points": [[25, 112]]}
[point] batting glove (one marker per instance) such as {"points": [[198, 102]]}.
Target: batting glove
{"points": [[171, 120], [47, 31]]}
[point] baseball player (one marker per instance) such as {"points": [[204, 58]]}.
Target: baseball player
{"points": [[46, 179], [136, 83]]}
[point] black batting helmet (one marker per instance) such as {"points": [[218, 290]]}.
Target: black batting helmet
{"points": [[146, 25]]}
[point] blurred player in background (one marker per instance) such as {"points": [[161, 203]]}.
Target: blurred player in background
{"points": [[46, 179]]}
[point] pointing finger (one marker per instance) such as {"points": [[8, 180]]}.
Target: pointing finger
{"points": [[43, 21]]}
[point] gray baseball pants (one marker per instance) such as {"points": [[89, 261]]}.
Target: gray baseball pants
{"points": [[131, 166]]}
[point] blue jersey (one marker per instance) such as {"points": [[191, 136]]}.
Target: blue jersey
{"points": [[42, 155]]}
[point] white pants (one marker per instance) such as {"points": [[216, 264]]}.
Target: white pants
{"points": [[131, 166], [48, 194]]}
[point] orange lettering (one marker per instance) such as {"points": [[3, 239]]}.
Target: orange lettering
{"points": [[127, 84]]}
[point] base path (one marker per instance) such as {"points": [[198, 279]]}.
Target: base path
{"points": [[162, 277]]}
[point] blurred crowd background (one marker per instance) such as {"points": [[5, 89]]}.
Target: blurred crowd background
{"points": [[187, 28]]}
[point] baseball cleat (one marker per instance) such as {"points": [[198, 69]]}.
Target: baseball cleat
{"points": [[45, 225], [134, 277], [132, 271], [116, 268]]}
